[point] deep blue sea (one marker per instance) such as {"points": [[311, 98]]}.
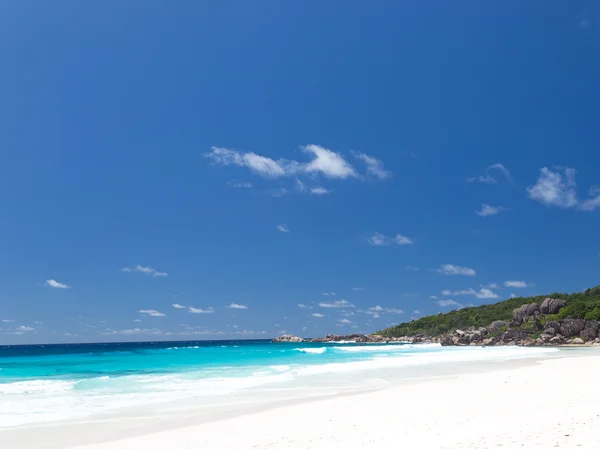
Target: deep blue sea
{"points": [[45, 383]]}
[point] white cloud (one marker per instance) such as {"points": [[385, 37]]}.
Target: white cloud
{"points": [[483, 293], [433, 297], [584, 23], [179, 306], [339, 303], [417, 312], [149, 271], [378, 239], [487, 210], [8, 321], [320, 190], [515, 284], [327, 162], [486, 293], [152, 312], [239, 185], [492, 174], [492, 285], [394, 310], [450, 269], [593, 203], [151, 331], [558, 188], [208, 310], [377, 310], [512, 295], [448, 303], [304, 306], [345, 321], [25, 328], [318, 315], [282, 228], [137, 320], [357, 289], [261, 165], [553, 189], [54, 284], [374, 166], [324, 161], [233, 305], [328, 294], [410, 267]]}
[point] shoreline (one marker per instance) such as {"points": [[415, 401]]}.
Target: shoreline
{"points": [[469, 411], [126, 427]]}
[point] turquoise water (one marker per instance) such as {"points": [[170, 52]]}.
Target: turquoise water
{"points": [[70, 382]]}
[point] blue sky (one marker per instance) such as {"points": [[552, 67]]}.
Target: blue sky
{"points": [[371, 163]]}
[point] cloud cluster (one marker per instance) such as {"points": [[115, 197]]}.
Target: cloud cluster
{"points": [[484, 293], [558, 188], [455, 270], [322, 162], [337, 304], [515, 284]]}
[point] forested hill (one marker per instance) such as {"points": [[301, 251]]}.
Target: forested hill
{"points": [[579, 305]]}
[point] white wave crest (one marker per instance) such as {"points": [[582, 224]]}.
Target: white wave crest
{"points": [[311, 350], [36, 386]]}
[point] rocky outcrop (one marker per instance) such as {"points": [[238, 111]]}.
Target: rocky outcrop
{"points": [[525, 311], [568, 331], [287, 338], [571, 327], [550, 306]]}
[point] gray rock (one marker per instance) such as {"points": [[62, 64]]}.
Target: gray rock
{"points": [[513, 334], [592, 324], [558, 340], [528, 342], [576, 341], [552, 325], [287, 338], [526, 310], [571, 327], [588, 334], [550, 306], [497, 325], [546, 337]]}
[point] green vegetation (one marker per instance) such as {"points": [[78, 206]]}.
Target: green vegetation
{"points": [[579, 305]]}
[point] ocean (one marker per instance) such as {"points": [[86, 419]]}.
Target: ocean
{"points": [[53, 383]]}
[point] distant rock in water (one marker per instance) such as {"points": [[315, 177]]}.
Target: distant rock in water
{"points": [[550, 306], [288, 338]]}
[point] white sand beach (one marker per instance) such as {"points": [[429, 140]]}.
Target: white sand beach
{"points": [[553, 403]]}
